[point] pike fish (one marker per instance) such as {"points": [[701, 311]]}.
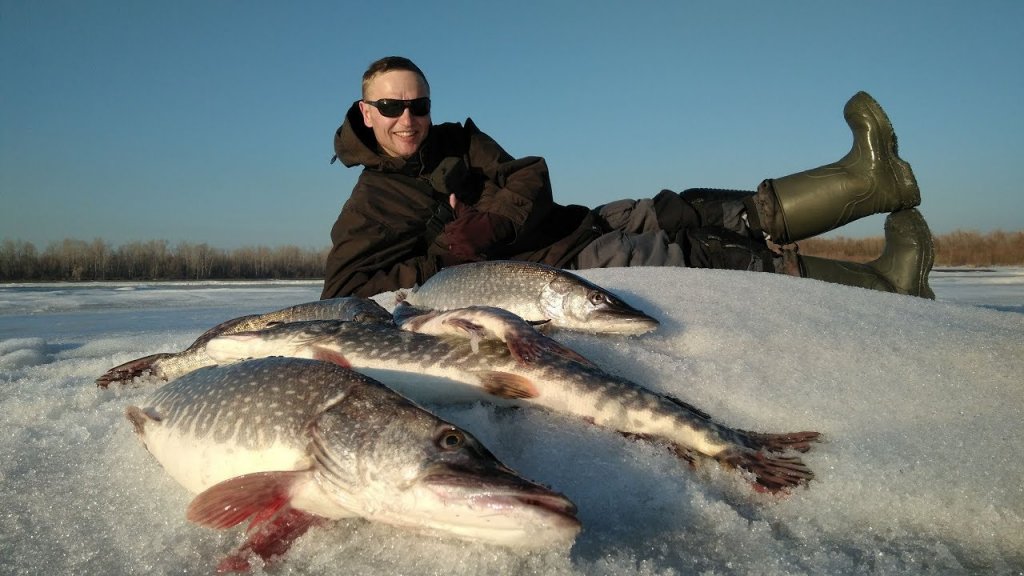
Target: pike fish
{"points": [[408, 361], [479, 323], [170, 365], [289, 443], [535, 292]]}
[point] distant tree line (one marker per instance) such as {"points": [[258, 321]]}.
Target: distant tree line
{"points": [[958, 248], [77, 260]]}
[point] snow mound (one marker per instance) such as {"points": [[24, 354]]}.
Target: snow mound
{"points": [[920, 402]]}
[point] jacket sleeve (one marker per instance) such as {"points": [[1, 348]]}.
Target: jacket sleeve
{"points": [[373, 251], [518, 190]]}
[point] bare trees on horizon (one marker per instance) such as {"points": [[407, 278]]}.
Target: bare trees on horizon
{"points": [[78, 260]]}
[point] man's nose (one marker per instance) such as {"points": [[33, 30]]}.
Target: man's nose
{"points": [[407, 119]]}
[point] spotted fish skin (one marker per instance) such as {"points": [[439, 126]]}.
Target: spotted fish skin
{"points": [[290, 442], [535, 292], [405, 360], [238, 419], [478, 323], [167, 366]]}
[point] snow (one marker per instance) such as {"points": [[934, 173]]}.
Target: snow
{"points": [[921, 404]]}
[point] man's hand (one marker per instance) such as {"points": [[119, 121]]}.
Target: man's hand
{"points": [[473, 233]]}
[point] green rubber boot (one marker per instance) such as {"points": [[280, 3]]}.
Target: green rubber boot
{"points": [[870, 179], [903, 266]]}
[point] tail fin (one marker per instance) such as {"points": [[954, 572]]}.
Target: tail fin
{"points": [[125, 373], [772, 471], [759, 453], [799, 441]]}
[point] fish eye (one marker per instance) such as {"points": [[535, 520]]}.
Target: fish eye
{"points": [[597, 298], [450, 439]]}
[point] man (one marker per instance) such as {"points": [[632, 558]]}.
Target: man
{"points": [[434, 196]]}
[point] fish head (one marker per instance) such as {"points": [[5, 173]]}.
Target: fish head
{"points": [[390, 461], [573, 303], [359, 309]]}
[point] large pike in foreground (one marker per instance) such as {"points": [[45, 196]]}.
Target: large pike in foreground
{"points": [[289, 442], [170, 365], [406, 360], [535, 292]]}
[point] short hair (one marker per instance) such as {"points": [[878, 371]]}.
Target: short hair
{"points": [[388, 64]]}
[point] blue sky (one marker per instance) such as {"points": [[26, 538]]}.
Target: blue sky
{"points": [[211, 121]]}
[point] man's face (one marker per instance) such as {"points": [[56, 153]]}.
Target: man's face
{"points": [[402, 136]]}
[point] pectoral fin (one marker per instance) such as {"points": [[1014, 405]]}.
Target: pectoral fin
{"points": [[506, 385], [334, 357], [228, 503], [266, 498]]}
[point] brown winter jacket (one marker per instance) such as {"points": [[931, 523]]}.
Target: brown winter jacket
{"points": [[391, 231]]}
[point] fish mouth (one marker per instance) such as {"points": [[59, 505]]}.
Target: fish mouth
{"points": [[625, 319], [500, 491], [491, 508]]}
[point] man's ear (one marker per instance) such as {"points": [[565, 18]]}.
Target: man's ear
{"points": [[365, 109]]}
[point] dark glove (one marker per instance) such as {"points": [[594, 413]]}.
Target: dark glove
{"points": [[473, 233]]}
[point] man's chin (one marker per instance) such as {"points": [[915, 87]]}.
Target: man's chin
{"points": [[405, 150]]}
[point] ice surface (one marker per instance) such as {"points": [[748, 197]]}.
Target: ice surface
{"points": [[921, 404]]}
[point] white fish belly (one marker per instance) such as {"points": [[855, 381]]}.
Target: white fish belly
{"points": [[198, 463]]}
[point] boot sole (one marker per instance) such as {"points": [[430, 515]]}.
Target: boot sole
{"points": [[906, 182]]}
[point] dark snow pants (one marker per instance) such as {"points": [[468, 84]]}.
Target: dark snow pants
{"points": [[698, 228]]}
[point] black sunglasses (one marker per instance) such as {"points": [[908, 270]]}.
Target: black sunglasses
{"points": [[392, 108]]}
